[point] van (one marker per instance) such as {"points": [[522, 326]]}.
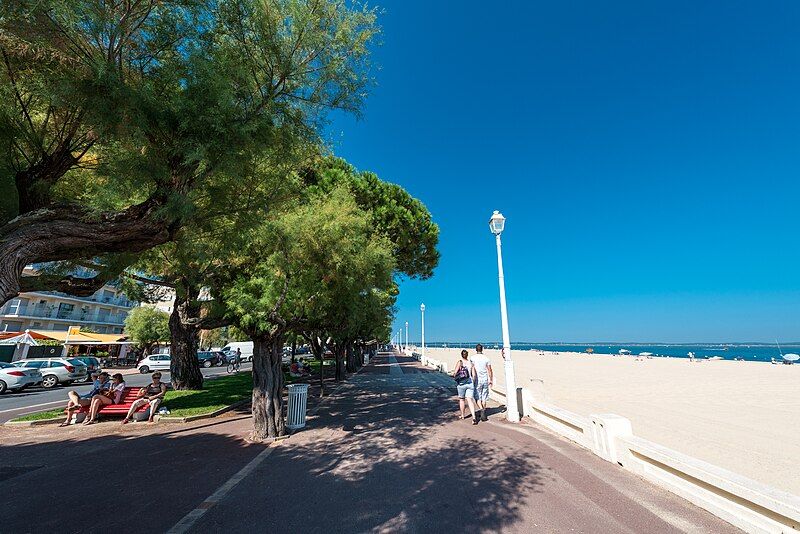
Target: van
{"points": [[245, 346]]}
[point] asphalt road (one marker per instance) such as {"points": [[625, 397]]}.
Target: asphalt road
{"points": [[35, 399]]}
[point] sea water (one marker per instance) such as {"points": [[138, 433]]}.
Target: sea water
{"points": [[727, 351]]}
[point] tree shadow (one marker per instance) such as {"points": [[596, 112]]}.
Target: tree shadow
{"points": [[384, 455], [370, 477], [121, 482]]}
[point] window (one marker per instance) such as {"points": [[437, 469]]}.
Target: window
{"points": [[65, 310], [37, 324], [35, 365], [55, 363], [13, 307], [11, 326]]}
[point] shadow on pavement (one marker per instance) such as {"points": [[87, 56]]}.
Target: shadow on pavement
{"points": [[120, 482], [386, 454]]}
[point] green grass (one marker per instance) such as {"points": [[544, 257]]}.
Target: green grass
{"points": [[217, 394], [38, 416]]}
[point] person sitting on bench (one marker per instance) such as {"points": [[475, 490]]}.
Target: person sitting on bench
{"points": [[112, 395], [153, 394], [101, 382]]}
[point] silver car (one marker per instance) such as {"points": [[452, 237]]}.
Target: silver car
{"points": [[15, 379], [56, 370]]}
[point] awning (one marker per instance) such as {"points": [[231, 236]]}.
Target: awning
{"points": [[16, 337], [83, 338]]}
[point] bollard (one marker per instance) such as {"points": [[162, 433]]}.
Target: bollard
{"points": [[296, 409]]}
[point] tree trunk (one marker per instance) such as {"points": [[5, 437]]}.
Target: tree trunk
{"points": [[268, 421], [294, 350], [351, 359], [339, 353], [184, 337]]}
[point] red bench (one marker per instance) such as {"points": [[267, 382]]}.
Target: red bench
{"points": [[129, 395]]}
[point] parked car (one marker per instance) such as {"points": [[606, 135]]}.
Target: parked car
{"points": [[92, 365], [56, 370], [209, 358], [16, 379], [155, 362], [245, 346]]}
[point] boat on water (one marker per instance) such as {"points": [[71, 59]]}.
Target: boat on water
{"points": [[789, 358], [624, 351], [646, 354], [714, 358]]}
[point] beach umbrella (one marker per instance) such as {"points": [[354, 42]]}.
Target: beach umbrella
{"points": [[791, 357]]}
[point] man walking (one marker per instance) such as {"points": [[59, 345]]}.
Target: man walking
{"points": [[483, 368]]}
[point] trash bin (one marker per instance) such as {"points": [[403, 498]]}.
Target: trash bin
{"points": [[296, 410]]}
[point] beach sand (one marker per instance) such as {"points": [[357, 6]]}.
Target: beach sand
{"points": [[742, 416]]}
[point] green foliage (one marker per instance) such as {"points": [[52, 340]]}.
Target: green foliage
{"points": [[317, 260], [147, 326], [167, 105], [394, 213]]}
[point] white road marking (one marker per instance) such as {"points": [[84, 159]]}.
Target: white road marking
{"points": [[190, 519], [64, 402]]}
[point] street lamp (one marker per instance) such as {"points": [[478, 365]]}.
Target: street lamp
{"points": [[496, 224], [422, 311], [406, 335]]}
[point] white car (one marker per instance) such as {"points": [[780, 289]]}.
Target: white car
{"points": [[155, 362], [16, 378], [245, 347], [56, 370]]}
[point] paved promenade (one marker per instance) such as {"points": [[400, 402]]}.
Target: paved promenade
{"points": [[387, 455], [384, 454]]}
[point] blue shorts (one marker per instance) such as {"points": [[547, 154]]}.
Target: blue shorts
{"points": [[466, 390], [482, 391]]}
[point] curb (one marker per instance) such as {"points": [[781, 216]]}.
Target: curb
{"points": [[40, 422], [191, 418]]}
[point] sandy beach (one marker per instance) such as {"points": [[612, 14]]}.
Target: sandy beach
{"points": [[743, 416]]}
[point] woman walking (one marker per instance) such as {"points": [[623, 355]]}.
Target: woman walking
{"points": [[465, 377]]}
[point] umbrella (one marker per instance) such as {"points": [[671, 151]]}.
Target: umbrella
{"points": [[791, 357]]}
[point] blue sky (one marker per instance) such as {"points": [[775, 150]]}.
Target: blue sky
{"points": [[646, 158]]}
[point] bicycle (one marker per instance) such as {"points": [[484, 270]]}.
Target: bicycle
{"points": [[234, 366]]}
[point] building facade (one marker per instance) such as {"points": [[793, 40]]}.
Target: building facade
{"points": [[104, 312]]}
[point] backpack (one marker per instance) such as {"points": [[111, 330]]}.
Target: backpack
{"points": [[462, 375]]}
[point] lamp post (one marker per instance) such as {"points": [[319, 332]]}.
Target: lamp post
{"points": [[496, 225], [406, 335], [422, 311]]}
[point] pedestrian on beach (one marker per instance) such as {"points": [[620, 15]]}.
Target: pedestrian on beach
{"points": [[464, 376], [152, 394], [484, 379]]}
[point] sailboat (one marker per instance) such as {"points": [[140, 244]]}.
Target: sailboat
{"points": [[788, 359]]}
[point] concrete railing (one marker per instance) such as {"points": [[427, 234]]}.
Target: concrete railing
{"points": [[743, 502]]}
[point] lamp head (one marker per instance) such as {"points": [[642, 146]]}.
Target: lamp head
{"points": [[422, 307], [497, 223]]}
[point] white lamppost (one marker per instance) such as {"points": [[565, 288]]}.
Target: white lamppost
{"points": [[422, 311], [496, 225], [406, 335]]}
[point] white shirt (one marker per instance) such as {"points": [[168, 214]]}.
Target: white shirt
{"points": [[482, 365]]}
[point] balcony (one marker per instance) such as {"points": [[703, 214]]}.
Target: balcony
{"points": [[72, 316], [113, 301]]}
